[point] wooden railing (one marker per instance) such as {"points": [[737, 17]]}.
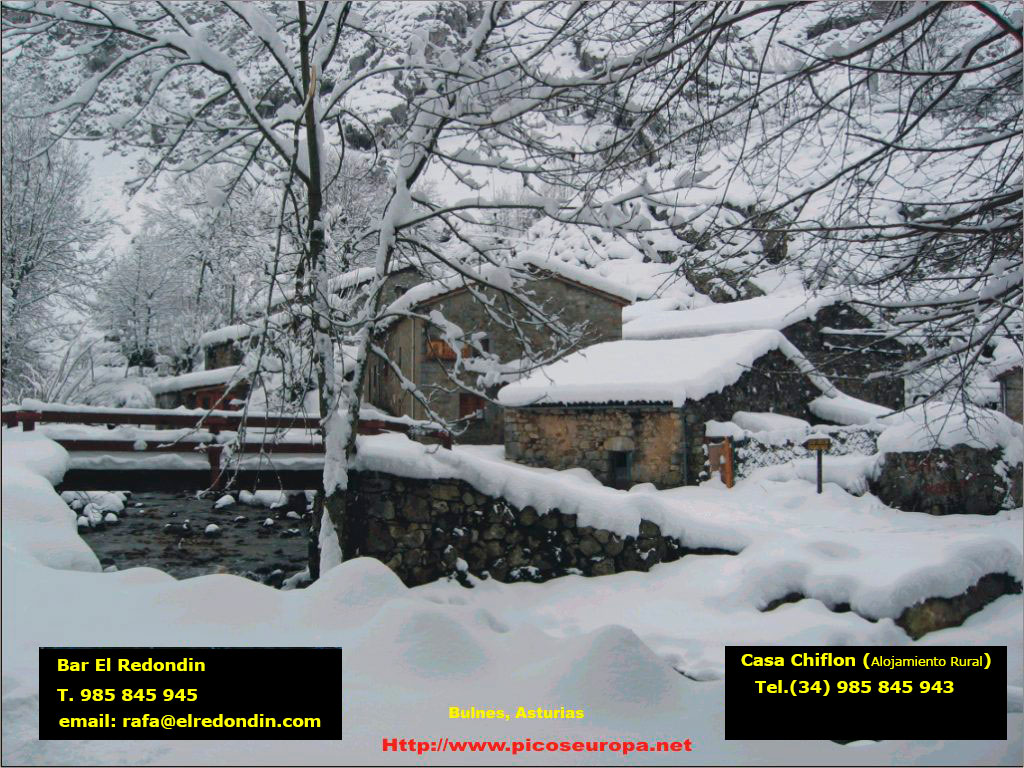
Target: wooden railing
{"points": [[207, 426], [213, 422]]}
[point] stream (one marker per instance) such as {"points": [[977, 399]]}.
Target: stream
{"points": [[168, 531]]}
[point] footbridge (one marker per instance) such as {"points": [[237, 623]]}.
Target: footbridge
{"points": [[153, 449]]}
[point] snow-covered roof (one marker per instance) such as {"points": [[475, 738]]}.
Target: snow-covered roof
{"points": [[774, 312], [227, 333], [633, 263], [504, 277], [944, 425], [658, 371], [589, 278], [196, 379], [1006, 360]]}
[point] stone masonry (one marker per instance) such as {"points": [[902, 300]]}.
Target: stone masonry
{"points": [[953, 481], [429, 529], [667, 443], [561, 438]]}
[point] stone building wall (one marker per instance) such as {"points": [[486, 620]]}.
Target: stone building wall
{"points": [[224, 354], [951, 481], [849, 359], [667, 443], [566, 437], [598, 315], [1011, 394], [429, 529]]}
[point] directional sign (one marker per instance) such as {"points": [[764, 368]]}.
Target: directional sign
{"points": [[818, 444]]}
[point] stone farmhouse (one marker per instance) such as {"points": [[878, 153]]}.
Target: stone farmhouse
{"points": [[589, 307], [635, 411], [225, 346], [580, 300]]}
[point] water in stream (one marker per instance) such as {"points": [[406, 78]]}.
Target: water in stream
{"points": [[167, 531]]}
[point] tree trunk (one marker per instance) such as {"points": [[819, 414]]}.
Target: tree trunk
{"points": [[313, 284]]}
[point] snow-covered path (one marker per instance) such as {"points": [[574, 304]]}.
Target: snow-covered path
{"points": [[607, 645]]}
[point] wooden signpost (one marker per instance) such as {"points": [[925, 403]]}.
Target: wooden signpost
{"points": [[819, 444]]}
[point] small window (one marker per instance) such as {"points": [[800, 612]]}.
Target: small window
{"points": [[438, 349], [471, 406], [620, 469]]}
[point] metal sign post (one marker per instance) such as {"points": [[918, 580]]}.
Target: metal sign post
{"points": [[819, 444]]}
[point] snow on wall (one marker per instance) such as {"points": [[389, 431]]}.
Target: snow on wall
{"points": [[844, 409], [944, 425], [570, 492]]}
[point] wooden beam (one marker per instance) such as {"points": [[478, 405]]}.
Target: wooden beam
{"points": [[188, 480]]}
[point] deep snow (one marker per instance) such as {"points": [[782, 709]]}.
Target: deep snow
{"points": [[610, 645]]}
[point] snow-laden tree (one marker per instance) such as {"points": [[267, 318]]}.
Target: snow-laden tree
{"points": [[50, 249], [278, 94], [147, 301], [739, 124], [874, 147]]}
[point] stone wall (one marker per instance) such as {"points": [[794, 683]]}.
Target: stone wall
{"points": [[1011, 394], [225, 353], [752, 452], [959, 480], [429, 529]]}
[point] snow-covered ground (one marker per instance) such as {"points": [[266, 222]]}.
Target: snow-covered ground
{"points": [[610, 645]]}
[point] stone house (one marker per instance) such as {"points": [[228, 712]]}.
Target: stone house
{"points": [[635, 411], [839, 341], [222, 388], [580, 300]]}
